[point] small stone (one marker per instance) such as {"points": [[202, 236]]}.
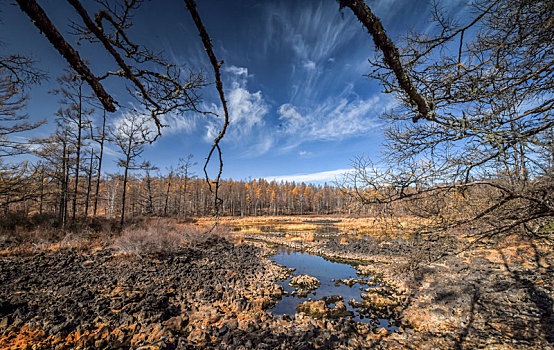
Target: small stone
{"points": [[304, 282], [5, 322], [222, 330], [232, 324], [174, 323]]}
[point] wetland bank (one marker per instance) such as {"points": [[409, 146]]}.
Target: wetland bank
{"points": [[234, 289]]}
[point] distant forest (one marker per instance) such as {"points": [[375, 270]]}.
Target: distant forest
{"points": [[177, 196]]}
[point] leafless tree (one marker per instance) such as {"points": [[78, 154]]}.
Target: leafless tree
{"points": [[77, 117], [112, 185], [206, 41], [488, 86], [147, 167], [100, 139], [89, 171], [12, 121], [15, 75], [55, 153], [130, 135], [169, 179], [20, 71], [158, 86], [185, 165]]}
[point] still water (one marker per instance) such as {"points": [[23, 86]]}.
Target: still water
{"points": [[325, 271]]}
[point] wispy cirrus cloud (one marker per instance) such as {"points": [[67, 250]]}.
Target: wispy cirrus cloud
{"points": [[336, 118], [318, 177], [321, 103], [312, 33], [314, 29], [173, 123], [177, 123]]}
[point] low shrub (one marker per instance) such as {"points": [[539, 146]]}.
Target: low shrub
{"points": [[163, 236]]}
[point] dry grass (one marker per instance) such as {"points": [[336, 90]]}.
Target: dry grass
{"points": [[25, 235], [297, 227], [164, 236], [44, 231], [155, 239], [309, 224], [300, 237]]}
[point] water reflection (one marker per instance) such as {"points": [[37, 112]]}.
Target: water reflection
{"points": [[326, 272]]}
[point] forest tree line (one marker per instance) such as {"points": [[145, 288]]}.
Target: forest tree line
{"points": [[173, 195]]}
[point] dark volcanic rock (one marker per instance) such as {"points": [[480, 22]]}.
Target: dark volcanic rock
{"points": [[62, 291]]}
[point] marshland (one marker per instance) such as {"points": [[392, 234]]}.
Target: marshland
{"points": [[276, 175]]}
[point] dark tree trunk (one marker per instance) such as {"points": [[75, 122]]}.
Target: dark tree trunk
{"points": [[390, 54], [63, 183], [150, 204], [124, 193], [185, 197], [41, 198], [102, 138], [78, 155], [127, 163], [167, 193], [89, 182]]}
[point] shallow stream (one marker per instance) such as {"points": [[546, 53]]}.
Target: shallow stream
{"points": [[326, 272]]}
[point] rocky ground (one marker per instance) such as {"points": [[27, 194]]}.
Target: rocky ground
{"points": [[498, 295], [215, 294]]}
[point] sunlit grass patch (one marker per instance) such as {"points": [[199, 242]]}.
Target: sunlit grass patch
{"points": [[337, 225], [297, 227], [300, 237]]}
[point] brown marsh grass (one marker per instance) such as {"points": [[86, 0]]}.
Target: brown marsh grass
{"points": [[310, 224]]}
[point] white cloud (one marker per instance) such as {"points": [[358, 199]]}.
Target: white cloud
{"points": [[132, 120], [246, 115], [334, 119], [212, 130], [304, 153], [262, 146], [293, 119], [236, 70], [323, 176], [310, 33], [178, 123], [174, 123], [309, 65], [110, 151], [315, 29], [246, 109]]}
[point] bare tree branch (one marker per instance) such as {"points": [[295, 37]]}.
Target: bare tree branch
{"points": [[191, 6], [391, 55], [43, 23], [96, 29]]}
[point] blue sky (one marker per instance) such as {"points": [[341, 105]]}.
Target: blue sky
{"points": [[301, 107]]}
